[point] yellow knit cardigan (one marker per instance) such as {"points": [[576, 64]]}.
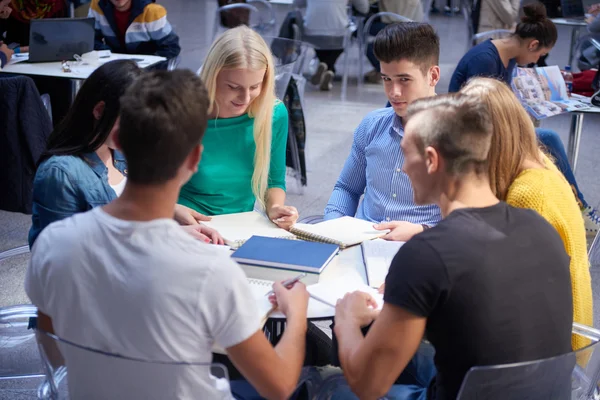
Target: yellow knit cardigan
{"points": [[547, 192]]}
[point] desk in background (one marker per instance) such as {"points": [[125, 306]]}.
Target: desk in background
{"points": [[79, 71]]}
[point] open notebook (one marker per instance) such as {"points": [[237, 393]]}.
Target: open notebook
{"points": [[260, 287], [378, 255], [239, 227], [330, 292], [344, 232]]}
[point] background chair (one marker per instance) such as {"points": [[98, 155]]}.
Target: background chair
{"points": [[97, 373], [21, 370], [257, 20], [290, 59], [267, 23], [466, 7], [569, 376]]}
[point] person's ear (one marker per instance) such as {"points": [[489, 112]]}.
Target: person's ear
{"points": [[533, 45], [194, 158], [434, 75], [432, 160], [98, 110]]}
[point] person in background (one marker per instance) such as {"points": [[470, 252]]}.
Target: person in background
{"points": [[589, 57], [246, 137], [431, 288], [5, 52], [325, 24], [15, 28], [534, 36], [82, 167], [411, 9], [498, 14], [126, 279], [522, 176], [133, 27], [409, 54]]}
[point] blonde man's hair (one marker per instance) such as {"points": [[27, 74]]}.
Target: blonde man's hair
{"points": [[458, 127], [242, 48], [514, 139]]}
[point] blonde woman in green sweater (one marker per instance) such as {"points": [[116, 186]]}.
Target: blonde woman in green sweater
{"points": [[243, 162]]}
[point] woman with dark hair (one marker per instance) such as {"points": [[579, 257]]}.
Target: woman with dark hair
{"points": [[534, 36], [82, 167]]}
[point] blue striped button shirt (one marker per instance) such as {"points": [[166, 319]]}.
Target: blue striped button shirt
{"points": [[374, 168]]}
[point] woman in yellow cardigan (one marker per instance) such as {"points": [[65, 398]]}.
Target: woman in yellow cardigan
{"points": [[523, 176]]}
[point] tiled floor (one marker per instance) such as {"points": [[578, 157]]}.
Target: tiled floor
{"points": [[330, 124]]}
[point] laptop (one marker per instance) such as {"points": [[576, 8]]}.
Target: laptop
{"points": [[58, 39], [576, 9]]}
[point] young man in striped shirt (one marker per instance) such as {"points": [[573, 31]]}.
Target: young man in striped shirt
{"points": [[133, 27], [409, 57]]}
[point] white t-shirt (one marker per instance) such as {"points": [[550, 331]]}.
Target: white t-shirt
{"points": [[145, 290], [118, 188]]}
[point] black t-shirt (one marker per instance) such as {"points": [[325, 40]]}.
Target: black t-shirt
{"points": [[495, 286]]}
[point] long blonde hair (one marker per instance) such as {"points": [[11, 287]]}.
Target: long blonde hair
{"points": [[242, 48], [514, 139]]}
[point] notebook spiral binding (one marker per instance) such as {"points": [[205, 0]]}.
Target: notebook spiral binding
{"points": [[260, 282], [315, 238]]}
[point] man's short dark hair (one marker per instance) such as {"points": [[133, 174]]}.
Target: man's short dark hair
{"points": [[412, 41], [163, 116], [458, 126]]}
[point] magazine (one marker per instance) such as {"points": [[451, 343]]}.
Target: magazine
{"points": [[543, 92]]}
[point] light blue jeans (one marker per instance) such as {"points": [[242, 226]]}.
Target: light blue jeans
{"points": [[412, 383]]}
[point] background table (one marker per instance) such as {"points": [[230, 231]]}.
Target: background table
{"points": [[575, 25], [79, 71]]}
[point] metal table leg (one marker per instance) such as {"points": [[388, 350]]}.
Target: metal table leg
{"points": [[574, 41], [574, 139]]}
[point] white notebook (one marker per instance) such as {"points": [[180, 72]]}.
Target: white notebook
{"points": [[239, 227], [344, 232], [378, 255], [330, 292], [260, 287]]}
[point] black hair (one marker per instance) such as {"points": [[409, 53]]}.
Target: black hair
{"points": [[80, 132], [163, 116], [413, 41], [535, 24]]}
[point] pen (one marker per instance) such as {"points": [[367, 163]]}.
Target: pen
{"points": [[289, 282]]}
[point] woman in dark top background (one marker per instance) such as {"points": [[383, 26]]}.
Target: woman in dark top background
{"points": [[534, 37]]}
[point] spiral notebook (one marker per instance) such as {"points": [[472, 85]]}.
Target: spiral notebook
{"points": [[343, 232], [237, 228]]}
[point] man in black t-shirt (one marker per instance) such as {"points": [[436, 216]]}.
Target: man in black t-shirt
{"points": [[489, 285]]}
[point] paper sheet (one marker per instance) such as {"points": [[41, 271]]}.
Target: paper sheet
{"points": [[378, 255]]}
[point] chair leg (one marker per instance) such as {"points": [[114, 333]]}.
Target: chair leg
{"points": [[14, 252], [346, 68]]}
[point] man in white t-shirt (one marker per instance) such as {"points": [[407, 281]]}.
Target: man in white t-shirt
{"points": [[124, 278]]}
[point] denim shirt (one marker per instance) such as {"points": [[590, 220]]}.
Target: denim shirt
{"points": [[66, 185]]}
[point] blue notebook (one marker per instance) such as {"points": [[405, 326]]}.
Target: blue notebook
{"points": [[285, 253]]}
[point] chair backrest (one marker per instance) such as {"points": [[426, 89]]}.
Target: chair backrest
{"points": [[495, 34], [289, 57], [18, 350], [393, 16], [77, 371], [594, 252], [266, 15], [241, 14], [569, 376]]}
